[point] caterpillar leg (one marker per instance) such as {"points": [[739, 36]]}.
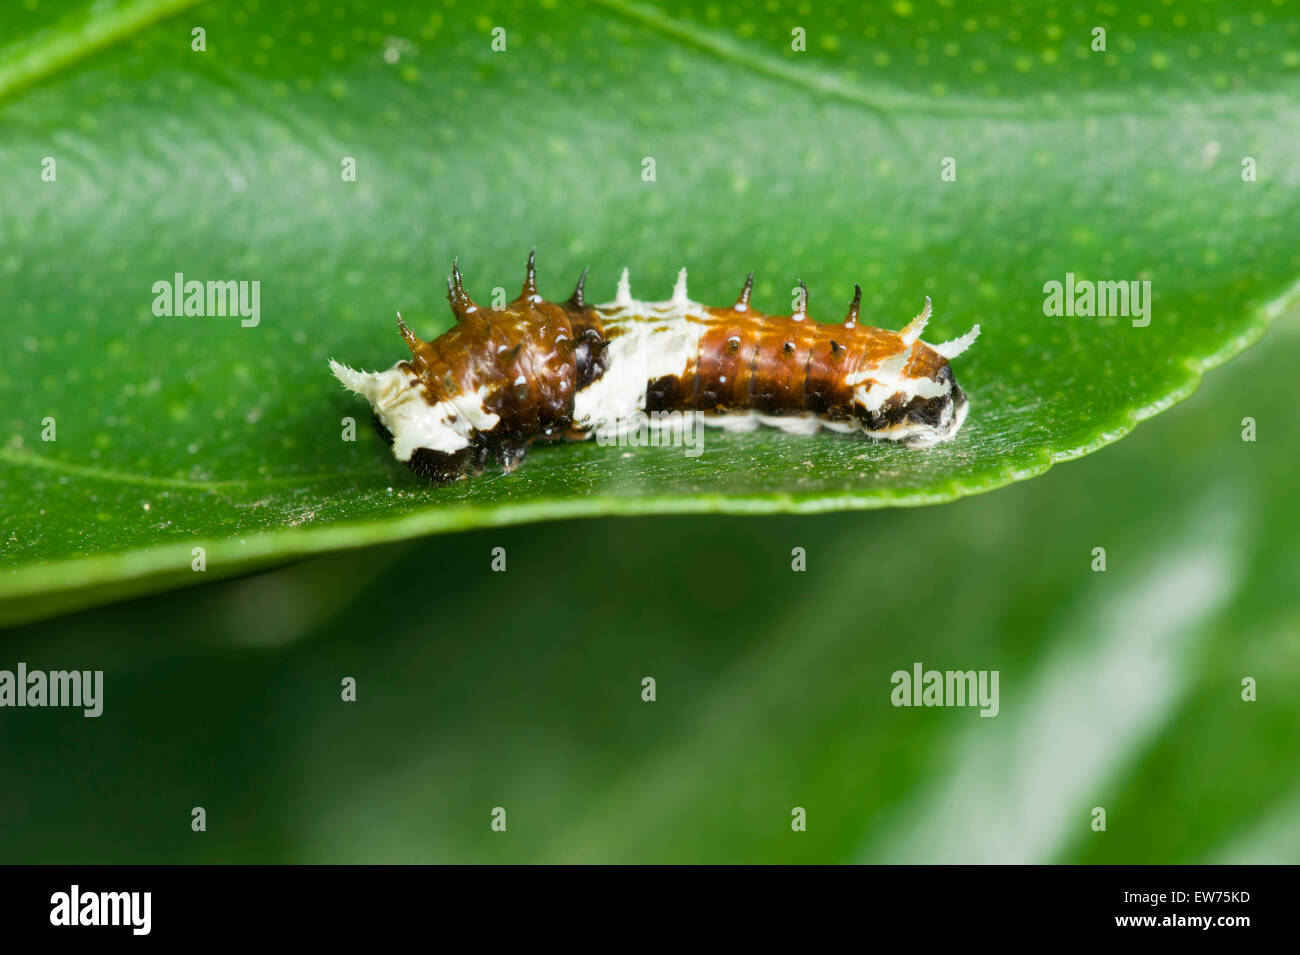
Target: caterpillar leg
{"points": [[793, 424], [511, 457], [741, 423]]}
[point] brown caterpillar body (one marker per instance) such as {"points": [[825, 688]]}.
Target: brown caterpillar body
{"points": [[501, 379]]}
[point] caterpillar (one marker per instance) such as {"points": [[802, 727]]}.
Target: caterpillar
{"points": [[502, 379]]}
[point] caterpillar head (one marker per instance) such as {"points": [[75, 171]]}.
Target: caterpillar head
{"points": [[929, 420], [433, 425], [912, 396], [403, 408]]}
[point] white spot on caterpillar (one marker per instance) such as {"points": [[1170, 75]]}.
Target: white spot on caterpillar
{"points": [[623, 297], [917, 325], [951, 349], [679, 290]]}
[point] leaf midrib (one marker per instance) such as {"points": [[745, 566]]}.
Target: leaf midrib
{"points": [[76, 37], [886, 102], [29, 459]]}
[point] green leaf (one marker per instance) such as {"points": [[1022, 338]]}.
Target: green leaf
{"points": [[825, 165]]}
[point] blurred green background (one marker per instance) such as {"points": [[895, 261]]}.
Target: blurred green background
{"points": [[475, 690]]}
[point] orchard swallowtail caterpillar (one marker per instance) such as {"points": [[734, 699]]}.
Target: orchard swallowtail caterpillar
{"points": [[501, 379]]}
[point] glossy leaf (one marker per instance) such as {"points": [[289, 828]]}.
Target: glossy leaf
{"points": [[826, 165]]}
